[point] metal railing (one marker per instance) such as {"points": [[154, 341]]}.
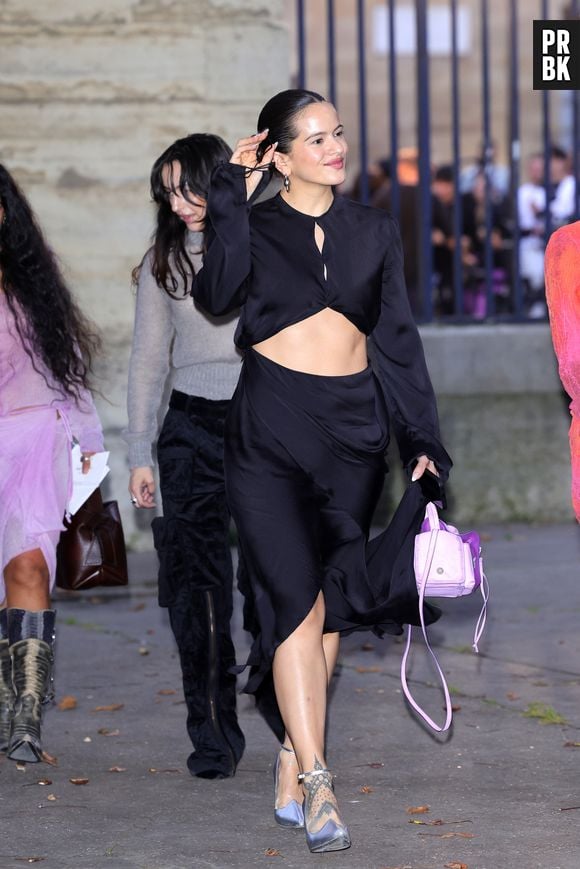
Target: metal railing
{"points": [[427, 303]]}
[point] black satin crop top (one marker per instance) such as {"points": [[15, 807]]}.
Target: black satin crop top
{"points": [[265, 261]]}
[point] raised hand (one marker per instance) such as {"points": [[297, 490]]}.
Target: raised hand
{"points": [[245, 155]]}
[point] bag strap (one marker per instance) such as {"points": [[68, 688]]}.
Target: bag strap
{"points": [[479, 628], [423, 583], [480, 625]]}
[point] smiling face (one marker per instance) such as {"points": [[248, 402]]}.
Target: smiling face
{"points": [[318, 152], [182, 201]]}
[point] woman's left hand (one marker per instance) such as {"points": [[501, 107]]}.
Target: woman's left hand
{"points": [[86, 461], [423, 462]]}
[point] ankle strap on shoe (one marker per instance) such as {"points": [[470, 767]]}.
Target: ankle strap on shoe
{"points": [[285, 748], [302, 775]]}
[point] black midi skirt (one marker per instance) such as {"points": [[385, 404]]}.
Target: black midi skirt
{"points": [[304, 467]]}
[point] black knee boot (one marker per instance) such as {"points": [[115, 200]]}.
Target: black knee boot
{"points": [[31, 638], [6, 688]]}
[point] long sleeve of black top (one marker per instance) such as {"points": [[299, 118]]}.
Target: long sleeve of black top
{"points": [[221, 285], [400, 364]]}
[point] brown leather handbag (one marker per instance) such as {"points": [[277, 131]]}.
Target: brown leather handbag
{"points": [[91, 552]]}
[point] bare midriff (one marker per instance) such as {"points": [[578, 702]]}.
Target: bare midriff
{"points": [[326, 344]]}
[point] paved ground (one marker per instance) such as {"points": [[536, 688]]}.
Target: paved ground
{"points": [[504, 784]]}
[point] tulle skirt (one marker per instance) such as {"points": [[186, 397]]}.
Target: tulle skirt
{"points": [[35, 480], [305, 465]]}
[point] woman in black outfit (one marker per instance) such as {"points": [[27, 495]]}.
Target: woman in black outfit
{"points": [[306, 434]]}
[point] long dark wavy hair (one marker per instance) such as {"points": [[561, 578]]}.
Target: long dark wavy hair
{"points": [[197, 155], [49, 323]]}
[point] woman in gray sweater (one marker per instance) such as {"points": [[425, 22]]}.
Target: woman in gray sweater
{"points": [[174, 339]]}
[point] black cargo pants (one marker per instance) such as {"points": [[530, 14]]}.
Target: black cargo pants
{"points": [[195, 577]]}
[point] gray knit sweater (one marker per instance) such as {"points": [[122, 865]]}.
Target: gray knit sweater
{"points": [[178, 345]]}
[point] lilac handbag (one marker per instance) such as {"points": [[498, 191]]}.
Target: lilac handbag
{"points": [[447, 564]]}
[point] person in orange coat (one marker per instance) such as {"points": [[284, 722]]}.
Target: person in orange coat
{"points": [[562, 267]]}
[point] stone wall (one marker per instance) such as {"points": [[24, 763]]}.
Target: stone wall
{"points": [[504, 420], [90, 94]]}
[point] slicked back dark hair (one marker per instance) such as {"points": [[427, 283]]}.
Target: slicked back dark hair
{"points": [[279, 116], [49, 323], [197, 155]]}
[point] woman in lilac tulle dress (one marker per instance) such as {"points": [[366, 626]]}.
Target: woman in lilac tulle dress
{"points": [[45, 357]]}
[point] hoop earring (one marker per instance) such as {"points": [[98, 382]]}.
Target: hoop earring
{"points": [[287, 183]]}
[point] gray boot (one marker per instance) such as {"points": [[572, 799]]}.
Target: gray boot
{"points": [[6, 689], [31, 638]]}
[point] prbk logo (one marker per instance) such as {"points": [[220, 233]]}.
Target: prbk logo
{"points": [[557, 55]]}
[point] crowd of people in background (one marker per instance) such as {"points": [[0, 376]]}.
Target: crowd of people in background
{"points": [[527, 211]]}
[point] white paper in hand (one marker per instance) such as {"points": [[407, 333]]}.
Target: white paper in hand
{"points": [[85, 484]]}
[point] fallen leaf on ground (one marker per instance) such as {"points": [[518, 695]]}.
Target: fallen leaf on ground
{"points": [[365, 789], [572, 745], [368, 669], [87, 739], [450, 835], [166, 692], [456, 866], [117, 769], [272, 852], [44, 781], [376, 765], [367, 647], [569, 808], [111, 707], [417, 810], [143, 650], [67, 702], [52, 797], [48, 758], [104, 731], [456, 708], [79, 781], [153, 769]]}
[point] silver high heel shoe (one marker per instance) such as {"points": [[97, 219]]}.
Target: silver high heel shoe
{"points": [[292, 814], [332, 836]]}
